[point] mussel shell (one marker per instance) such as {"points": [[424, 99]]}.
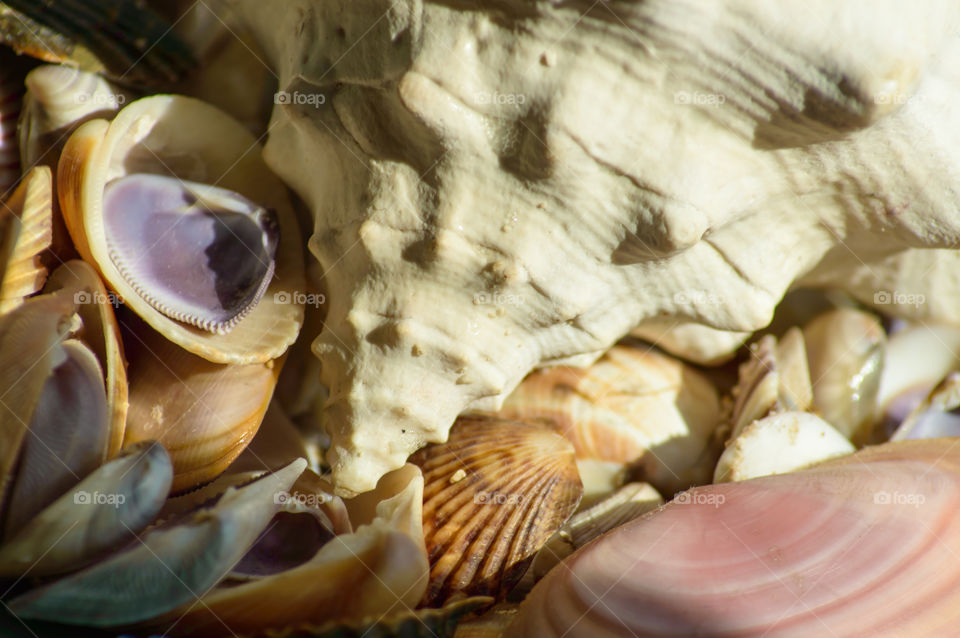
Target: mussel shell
{"points": [[494, 493]]}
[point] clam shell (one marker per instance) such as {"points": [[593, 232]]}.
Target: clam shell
{"points": [[124, 39], [69, 433], [59, 98], [493, 495], [860, 546], [779, 443], [936, 415], [192, 141], [203, 413], [633, 406], [100, 332], [26, 226], [29, 350], [168, 566], [99, 514], [378, 570], [846, 348]]}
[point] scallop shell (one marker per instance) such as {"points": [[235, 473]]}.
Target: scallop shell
{"points": [[570, 178], [26, 219], [859, 546], [633, 406], [188, 140], [494, 493], [203, 413], [100, 332]]}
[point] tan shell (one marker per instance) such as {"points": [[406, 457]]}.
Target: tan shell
{"points": [[633, 406], [29, 340], [95, 306], [493, 494], [190, 140], [26, 230], [204, 413]]}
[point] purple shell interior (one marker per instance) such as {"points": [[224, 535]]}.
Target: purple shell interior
{"points": [[200, 259]]}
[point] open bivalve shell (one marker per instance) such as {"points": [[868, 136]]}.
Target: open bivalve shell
{"points": [[865, 545], [173, 205], [494, 493], [95, 306]]}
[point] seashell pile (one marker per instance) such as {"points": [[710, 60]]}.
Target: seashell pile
{"points": [[503, 319]]}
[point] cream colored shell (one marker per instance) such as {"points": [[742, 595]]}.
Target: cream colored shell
{"points": [[516, 185], [191, 140]]}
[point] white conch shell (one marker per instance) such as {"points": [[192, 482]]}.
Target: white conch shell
{"points": [[518, 185]]}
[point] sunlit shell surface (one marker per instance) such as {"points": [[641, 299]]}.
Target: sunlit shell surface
{"points": [[861, 546], [493, 495], [26, 231], [193, 142], [502, 186]]}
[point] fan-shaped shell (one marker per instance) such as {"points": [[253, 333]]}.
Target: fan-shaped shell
{"points": [[186, 139], [632, 406], [26, 231], [493, 495]]}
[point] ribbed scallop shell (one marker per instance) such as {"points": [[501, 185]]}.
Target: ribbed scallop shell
{"points": [[192, 141], [26, 231], [633, 406], [494, 493]]}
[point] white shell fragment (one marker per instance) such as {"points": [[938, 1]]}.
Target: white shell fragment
{"points": [[512, 185], [780, 443]]}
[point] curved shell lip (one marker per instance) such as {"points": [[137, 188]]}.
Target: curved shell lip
{"points": [[149, 136]]}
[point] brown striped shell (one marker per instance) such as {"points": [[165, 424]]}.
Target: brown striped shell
{"points": [[494, 493]]}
